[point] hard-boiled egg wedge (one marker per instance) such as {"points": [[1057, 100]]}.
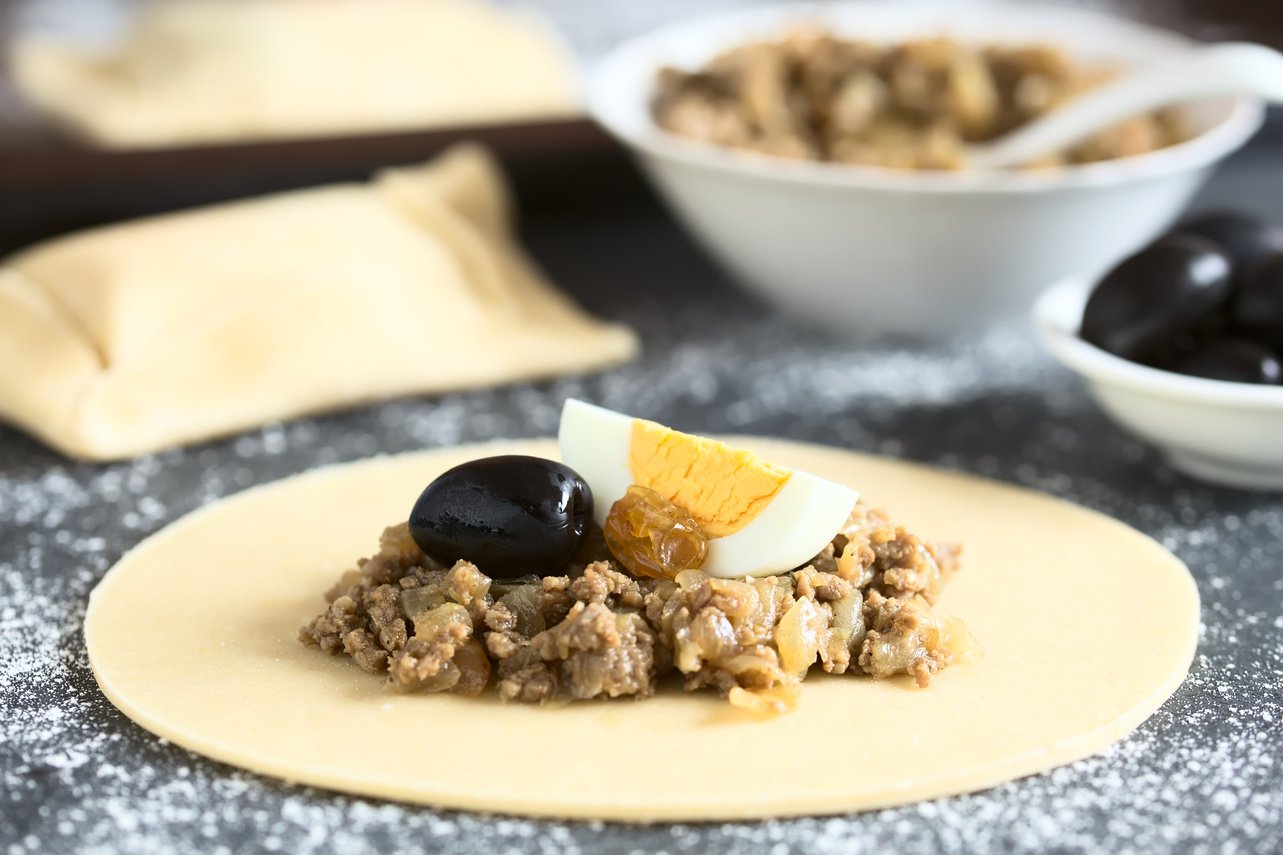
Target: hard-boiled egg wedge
{"points": [[761, 519]]}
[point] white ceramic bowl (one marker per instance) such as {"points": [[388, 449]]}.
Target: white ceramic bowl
{"points": [[869, 249], [1227, 433]]}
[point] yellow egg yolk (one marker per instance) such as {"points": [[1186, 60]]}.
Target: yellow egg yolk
{"points": [[722, 487]]}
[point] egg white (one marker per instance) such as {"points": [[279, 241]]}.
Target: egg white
{"points": [[801, 518]]}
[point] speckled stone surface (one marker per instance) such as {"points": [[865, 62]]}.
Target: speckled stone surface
{"points": [[1204, 774]]}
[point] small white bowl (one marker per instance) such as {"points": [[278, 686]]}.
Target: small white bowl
{"points": [[1227, 433], [870, 249]]}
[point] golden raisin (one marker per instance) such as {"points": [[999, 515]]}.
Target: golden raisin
{"points": [[653, 537]]}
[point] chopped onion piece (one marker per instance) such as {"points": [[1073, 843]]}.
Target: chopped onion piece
{"points": [[798, 637], [773, 701], [435, 621]]}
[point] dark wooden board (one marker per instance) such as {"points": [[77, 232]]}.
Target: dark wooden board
{"points": [[51, 185]]}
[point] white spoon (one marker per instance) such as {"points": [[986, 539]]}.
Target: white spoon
{"points": [[1233, 68]]}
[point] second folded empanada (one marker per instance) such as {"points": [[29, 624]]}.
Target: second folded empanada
{"points": [[163, 331]]}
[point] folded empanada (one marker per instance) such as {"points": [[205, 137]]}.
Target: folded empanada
{"points": [[162, 331], [200, 71]]}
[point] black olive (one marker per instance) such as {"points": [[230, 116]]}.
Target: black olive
{"points": [[1235, 359], [1169, 288], [1258, 306], [1248, 241], [511, 516]]}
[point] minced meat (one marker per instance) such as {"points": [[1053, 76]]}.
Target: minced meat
{"points": [[862, 605], [919, 104]]}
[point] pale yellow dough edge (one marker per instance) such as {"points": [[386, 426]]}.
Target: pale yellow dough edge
{"points": [[168, 330], [1087, 625], [207, 72]]}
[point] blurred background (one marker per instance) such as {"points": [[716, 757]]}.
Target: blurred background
{"points": [[52, 183], [595, 25]]}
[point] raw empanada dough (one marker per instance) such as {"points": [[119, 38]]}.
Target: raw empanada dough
{"points": [[1087, 628], [206, 71], [158, 332]]}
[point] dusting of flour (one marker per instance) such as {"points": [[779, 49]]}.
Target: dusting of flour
{"points": [[1204, 774]]}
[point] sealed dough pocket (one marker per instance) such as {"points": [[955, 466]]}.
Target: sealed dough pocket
{"points": [[164, 331], [198, 72]]}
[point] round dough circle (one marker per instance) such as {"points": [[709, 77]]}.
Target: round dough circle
{"points": [[1087, 626]]}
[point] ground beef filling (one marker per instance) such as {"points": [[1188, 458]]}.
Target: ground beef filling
{"points": [[813, 95], [863, 605]]}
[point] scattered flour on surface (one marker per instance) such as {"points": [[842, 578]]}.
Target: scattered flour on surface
{"points": [[1204, 774]]}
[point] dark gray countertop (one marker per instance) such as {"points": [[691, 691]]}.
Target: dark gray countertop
{"points": [[1204, 774]]}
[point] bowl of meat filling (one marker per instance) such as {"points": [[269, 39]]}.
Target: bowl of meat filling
{"points": [[819, 153]]}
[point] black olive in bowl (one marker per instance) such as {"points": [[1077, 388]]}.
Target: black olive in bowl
{"points": [[1248, 241], [1149, 300], [1258, 306], [1236, 360], [1204, 300]]}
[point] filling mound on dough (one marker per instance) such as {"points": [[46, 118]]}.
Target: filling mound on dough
{"points": [[861, 606]]}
